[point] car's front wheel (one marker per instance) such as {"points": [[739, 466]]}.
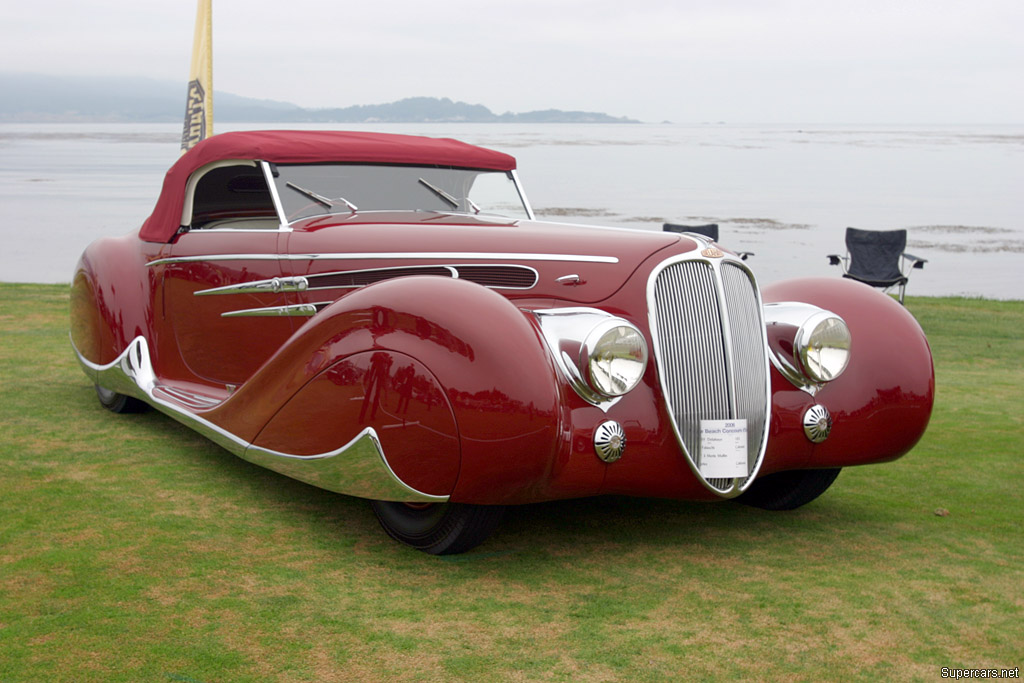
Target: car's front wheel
{"points": [[438, 528], [788, 490], [119, 403]]}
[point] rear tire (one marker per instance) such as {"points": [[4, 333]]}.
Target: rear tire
{"points": [[119, 403], [788, 490], [438, 528]]}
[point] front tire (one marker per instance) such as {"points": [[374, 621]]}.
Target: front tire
{"points": [[438, 528], [788, 490], [118, 403]]}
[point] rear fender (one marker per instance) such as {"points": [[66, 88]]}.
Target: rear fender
{"points": [[111, 298]]}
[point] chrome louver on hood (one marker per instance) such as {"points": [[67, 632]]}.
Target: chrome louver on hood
{"points": [[711, 355]]}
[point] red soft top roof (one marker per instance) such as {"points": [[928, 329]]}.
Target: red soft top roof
{"points": [[294, 146]]}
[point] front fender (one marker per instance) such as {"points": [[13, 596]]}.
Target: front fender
{"points": [[474, 356], [880, 405]]}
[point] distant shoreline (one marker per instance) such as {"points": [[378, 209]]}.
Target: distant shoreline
{"points": [[31, 98]]}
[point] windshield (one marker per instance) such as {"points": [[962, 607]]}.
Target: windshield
{"points": [[317, 189]]}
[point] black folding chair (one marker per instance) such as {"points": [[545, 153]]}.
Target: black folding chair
{"points": [[877, 258], [709, 230]]}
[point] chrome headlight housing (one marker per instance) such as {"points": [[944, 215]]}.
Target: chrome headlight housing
{"points": [[809, 345], [613, 357], [602, 356], [823, 343]]}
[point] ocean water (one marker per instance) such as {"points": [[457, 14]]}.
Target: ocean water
{"points": [[786, 193]]}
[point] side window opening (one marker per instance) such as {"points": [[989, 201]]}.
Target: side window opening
{"points": [[234, 197]]}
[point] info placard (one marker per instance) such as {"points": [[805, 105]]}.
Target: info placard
{"points": [[723, 449]]}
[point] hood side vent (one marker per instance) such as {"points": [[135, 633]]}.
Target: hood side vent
{"points": [[504, 277], [495, 276], [361, 278]]}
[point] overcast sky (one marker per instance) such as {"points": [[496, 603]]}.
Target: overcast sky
{"points": [[791, 61]]}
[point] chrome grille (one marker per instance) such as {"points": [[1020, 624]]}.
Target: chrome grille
{"points": [[710, 350]]}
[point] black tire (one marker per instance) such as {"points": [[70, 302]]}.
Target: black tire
{"points": [[119, 403], [788, 490], [438, 528]]}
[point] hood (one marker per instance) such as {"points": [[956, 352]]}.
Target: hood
{"points": [[601, 259]]}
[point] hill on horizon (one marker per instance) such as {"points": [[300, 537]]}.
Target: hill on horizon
{"points": [[39, 98]]}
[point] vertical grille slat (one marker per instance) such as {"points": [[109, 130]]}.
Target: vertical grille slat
{"points": [[748, 353], [704, 375]]}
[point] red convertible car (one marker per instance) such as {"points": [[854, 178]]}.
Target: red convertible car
{"points": [[382, 316]]}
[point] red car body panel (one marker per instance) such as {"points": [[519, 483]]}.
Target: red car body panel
{"points": [[455, 381], [882, 403]]}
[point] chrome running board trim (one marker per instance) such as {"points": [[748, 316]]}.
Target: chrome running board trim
{"points": [[358, 468], [357, 461]]}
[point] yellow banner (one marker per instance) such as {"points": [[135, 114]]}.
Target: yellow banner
{"points": [[199, 104]]}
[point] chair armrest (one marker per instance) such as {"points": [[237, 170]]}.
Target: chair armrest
{"points": [[916, 262], [834, 260]]}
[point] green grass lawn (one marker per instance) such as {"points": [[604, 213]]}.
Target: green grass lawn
{"points": [[131, 549]]}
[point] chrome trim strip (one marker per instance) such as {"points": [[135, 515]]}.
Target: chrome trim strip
{"points": [[522, 195], [268, 175], [235, 231], [274, 285], [370, 256], [310, 282], [363, 456], [192, 400], [358, 468], [290, 311]]}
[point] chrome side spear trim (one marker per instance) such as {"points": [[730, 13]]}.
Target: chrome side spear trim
{"points": [[274, 285], [293, 310]]}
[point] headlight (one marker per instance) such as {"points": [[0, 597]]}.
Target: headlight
{"points": [[809, 345], [824, 346], [614, 357], [601, 356]]}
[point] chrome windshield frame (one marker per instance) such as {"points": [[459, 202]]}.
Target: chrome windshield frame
{"points": [[522, 195], [286, 225]]}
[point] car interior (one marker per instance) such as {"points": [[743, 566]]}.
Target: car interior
{"points": [[232, 197]]}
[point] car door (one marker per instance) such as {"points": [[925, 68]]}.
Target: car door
{"points": [[223, 300]]}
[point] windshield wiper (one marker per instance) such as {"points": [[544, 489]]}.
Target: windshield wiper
{"points": [[312, 195], [441, 193], [320, 199]]}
